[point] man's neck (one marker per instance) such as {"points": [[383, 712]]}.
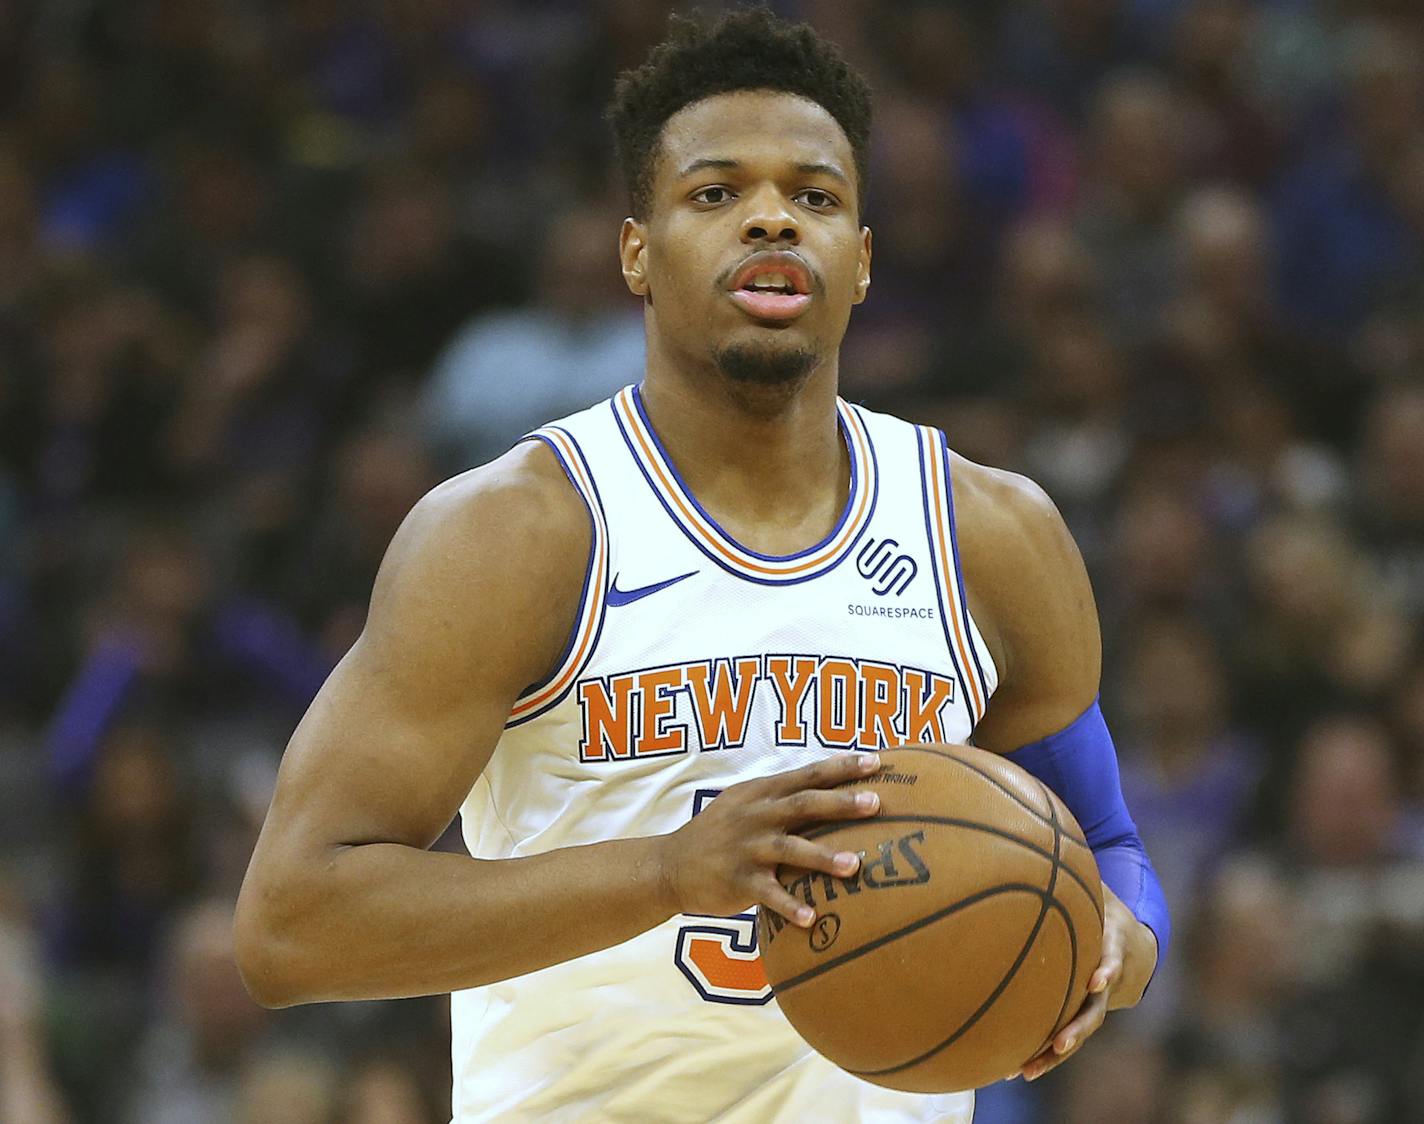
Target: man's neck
{"points": [[769, 464]]}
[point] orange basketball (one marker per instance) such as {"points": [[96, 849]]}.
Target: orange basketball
{"points": [[963, 943]]}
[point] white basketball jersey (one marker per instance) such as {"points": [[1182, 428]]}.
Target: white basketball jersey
{"points": [[696, 663]]}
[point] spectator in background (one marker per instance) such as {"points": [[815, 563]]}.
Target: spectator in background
{"points": [[92, 180], [1134, 182], [1391, 477], [1062, 49], [136, 857], [1224, 352], [1345, 243], [215, 203], [1189, 774], [1243, 951], [381, 1089], [1317, 634], [256, 415], [377, 477], [1076, 384], [190, 1066], [28, 1090], [1407, 721], [1346, 811], [1231, 133], [508, 372], [929, 245], [413, 277], [293, 1086], [1354, 1026], [162, 637], [109, 374], [1122, 1082], [21, 258], [1163, 554]]}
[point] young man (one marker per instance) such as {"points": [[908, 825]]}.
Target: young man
{"points": [[715, 582]]}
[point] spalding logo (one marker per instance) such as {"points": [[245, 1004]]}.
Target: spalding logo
{"points": [[825, 931], [895, 863]]}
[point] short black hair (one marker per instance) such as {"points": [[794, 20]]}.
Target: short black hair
{"points": [[746, 49]]}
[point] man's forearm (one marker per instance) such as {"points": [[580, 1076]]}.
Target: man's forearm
{"points": [[384, 920]]}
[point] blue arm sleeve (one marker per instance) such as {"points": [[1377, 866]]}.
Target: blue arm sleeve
{"points": [[1080, 765]]}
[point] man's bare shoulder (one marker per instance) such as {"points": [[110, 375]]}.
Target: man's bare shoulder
{"points": [[1031, 597], [521, 499], [1008, 523], [495, 558]]}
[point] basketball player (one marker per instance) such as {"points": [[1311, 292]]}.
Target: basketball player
{"points": [[633, 652]]}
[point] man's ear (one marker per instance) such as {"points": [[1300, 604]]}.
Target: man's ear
{"points": [[632, 253], [862, 268]]}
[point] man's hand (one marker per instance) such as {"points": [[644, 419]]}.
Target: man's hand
{"points": [[1129, 956], [725, 858]]}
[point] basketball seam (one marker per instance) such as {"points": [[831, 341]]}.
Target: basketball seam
{"points": [[1072, 974], [1005, 789], [971, 825], [919, 923], [1072, 934], [1093, 900], [1046, 902]]}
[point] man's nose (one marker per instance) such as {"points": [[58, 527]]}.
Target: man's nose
{"points": [[770, 219]]}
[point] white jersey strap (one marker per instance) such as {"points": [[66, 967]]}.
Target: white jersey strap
{"points": [[949, 580], [589, 624]]}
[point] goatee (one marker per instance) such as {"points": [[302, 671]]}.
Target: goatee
{"points": [[764, 366]]}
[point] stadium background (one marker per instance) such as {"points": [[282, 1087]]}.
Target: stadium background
{"points": [[270, 270]]}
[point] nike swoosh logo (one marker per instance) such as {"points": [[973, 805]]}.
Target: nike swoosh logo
{"points": [[618, 596]]}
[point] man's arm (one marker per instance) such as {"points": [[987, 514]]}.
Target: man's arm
{"points": [[475, 600], [1031, 597]]}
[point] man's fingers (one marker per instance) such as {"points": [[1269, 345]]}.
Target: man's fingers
{"points": [[1085, 1023], [827, 773], [1109, 969], [1090, 1016], [813, 804], [1106, 975], [792, 850], [771, 896], [1070, 1039]]}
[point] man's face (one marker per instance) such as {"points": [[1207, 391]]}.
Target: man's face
{"points": [[752, 252]]}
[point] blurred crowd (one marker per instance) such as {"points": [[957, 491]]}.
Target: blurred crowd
{"points": [[269, 270]]}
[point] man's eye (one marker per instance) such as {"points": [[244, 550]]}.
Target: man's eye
{"points": [[816, 198], [712, 194]]}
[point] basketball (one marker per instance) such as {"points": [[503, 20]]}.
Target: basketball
{"points": [[964, 941]]}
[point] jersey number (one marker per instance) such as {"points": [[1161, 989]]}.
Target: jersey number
{"points": [[718, 955]]}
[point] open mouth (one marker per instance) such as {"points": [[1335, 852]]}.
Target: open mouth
{"points": [[774, 286], [772, 282]]}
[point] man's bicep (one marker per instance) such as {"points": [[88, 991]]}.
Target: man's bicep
{"points": [[372, 763], [1030, 581], [473, 603]]}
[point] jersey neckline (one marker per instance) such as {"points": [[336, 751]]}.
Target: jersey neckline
{"points": [[716, 543]]}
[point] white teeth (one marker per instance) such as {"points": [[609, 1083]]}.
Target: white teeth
{"points": [[771, 281]]}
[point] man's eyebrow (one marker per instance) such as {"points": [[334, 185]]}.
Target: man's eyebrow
{"points": [[708, 162], [823, 170], [724, 164]]}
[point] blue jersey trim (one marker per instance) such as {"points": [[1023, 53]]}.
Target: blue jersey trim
{"points": [[721, 563], [702, 511]]}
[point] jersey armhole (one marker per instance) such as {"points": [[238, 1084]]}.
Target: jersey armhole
{"points": [[588, 624], [967, 650]]}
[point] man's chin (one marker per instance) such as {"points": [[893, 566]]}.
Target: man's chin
{"points": [[765, 362]]}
